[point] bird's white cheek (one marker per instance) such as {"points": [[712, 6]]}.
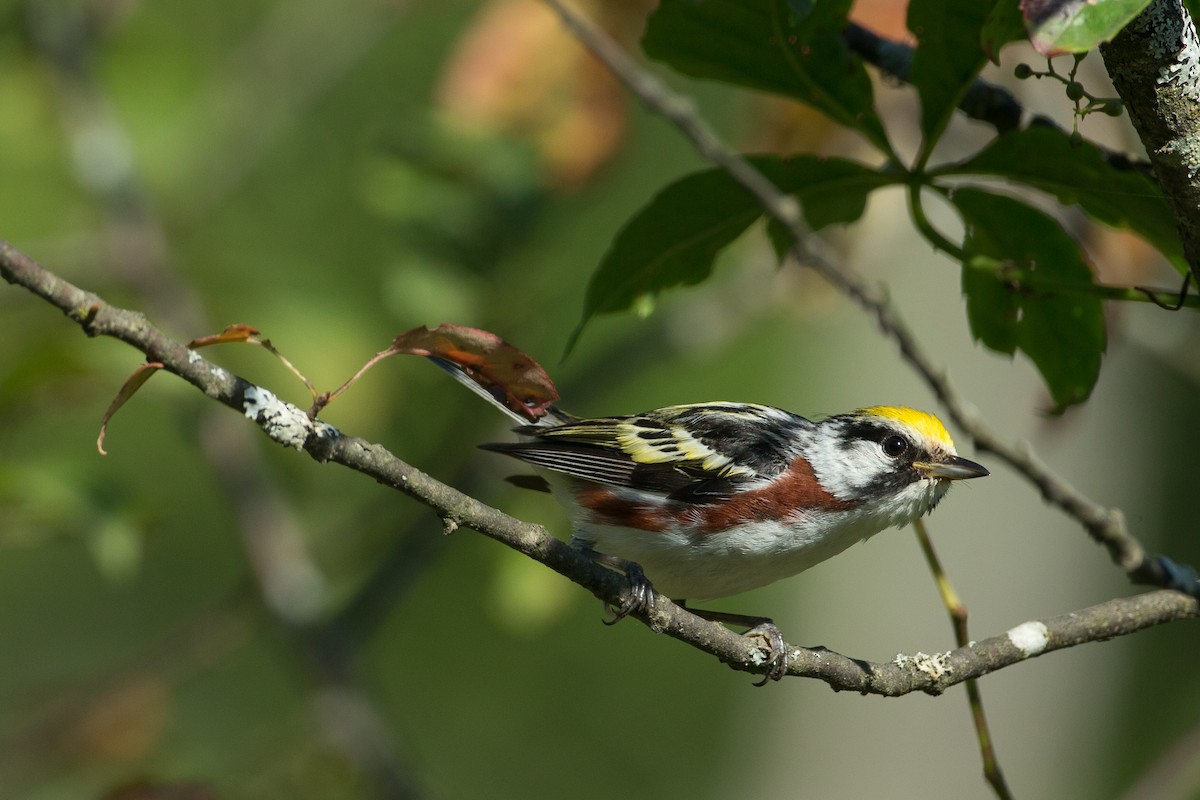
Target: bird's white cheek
{"points": [[847, 472]]}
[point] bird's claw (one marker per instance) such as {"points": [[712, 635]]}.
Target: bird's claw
{"points": [[641, 595], [776, 651]]}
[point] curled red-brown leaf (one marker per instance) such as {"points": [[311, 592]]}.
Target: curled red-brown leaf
{"points": [[504, 372]]}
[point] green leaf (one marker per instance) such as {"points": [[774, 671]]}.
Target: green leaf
{"points": [[1051, 316], [674, 240], [780, 239], [1064, 335], [831, 191], [993, 309], [1076, 26], [1121, 198], [1004, 24], [948, 57], [769, 45]]}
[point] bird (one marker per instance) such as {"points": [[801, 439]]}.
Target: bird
{"points": [[707, 500]]}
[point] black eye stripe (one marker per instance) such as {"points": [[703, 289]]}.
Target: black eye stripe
{"points": [[893, 444], [867, 431]]}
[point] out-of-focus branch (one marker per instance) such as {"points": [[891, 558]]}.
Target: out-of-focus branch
{"points": [[983, 101], [292, 427]]}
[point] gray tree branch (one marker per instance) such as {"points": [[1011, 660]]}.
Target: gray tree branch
{"points": [[1154, 64], [293, 427]]}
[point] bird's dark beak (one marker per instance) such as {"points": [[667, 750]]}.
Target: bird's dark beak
{"points": [[955, 468]]}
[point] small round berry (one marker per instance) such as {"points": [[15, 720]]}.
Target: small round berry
{"points": [[1075, 140], [1075, 90], [1113, 107], [1023, 71]]}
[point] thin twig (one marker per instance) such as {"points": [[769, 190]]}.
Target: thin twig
{"points": [[983, 101], [957, 610]]}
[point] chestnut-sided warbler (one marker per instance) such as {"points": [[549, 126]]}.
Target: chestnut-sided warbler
{"points": [[714, 499]]}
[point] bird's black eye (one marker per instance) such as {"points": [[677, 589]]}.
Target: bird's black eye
{"points": [[895, 445]]}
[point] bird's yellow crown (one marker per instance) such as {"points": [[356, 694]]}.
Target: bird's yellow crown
{"points": [[926, 424]]}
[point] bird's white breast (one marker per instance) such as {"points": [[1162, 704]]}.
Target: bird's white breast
{"points": [[698, 566]]}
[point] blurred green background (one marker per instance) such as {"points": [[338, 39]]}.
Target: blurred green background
{"points": [[201, 612]]}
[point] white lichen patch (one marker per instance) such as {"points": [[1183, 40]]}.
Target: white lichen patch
{"points": [[1030, 638], [218, 374], [1170, 36], [282, 421], [936, 666]]}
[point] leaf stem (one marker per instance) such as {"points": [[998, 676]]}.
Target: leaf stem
{"points": [[921, 220], [1028, 281]]}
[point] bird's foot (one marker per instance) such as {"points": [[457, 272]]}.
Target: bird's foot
{"points": [[776, 650], [641, 592], [774, 646]]}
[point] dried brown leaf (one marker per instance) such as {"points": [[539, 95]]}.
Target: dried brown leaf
{"points": [[503, 371], [128, 389], [508, 374], [238, 332]]}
